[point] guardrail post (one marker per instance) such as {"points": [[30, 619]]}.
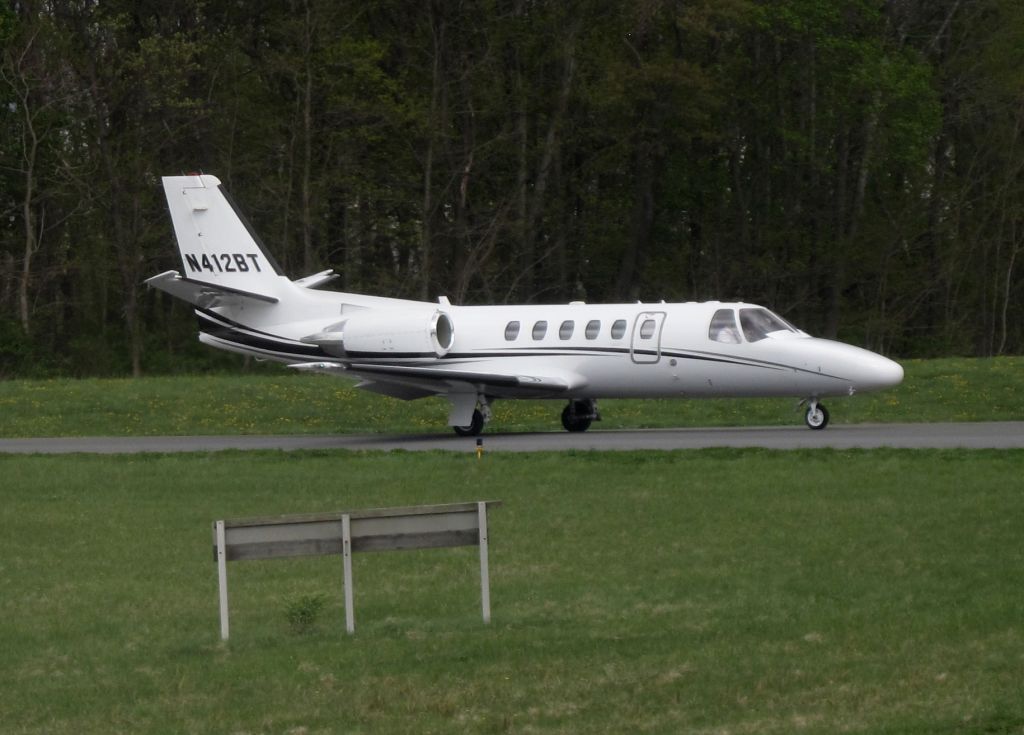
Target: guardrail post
{"points": [[485, 577], [346, 552], [222, 578]]}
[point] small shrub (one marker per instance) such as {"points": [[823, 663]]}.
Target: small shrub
{"points": [[303, 611]]}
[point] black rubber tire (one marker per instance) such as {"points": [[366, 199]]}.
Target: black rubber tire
{"points": [[816, 420], [573, 423], [476, 426]]}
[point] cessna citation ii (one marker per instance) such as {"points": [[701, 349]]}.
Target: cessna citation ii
{"points": [[473, 355]]}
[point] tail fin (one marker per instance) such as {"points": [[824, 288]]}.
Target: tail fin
{"points": [[218, 247]]}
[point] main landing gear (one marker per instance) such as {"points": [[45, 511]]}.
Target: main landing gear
{"points": [[578, 415], [817, 415], [481, 415], [474, 427]]}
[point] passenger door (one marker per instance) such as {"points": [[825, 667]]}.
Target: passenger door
{"points": [[645, 344]]}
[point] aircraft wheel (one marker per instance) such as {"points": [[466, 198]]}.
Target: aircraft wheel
{"points": [[816, 416], [475, 426], [572, 422]]}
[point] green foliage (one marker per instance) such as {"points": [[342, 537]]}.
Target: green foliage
{"points": [[16, 350], [302, 612], [854, 165], [8, 23]]}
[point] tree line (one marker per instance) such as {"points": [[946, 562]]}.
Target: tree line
{"points": [[856, 165]]}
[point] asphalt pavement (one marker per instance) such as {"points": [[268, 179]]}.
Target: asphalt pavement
{"points": [[988, 435]]}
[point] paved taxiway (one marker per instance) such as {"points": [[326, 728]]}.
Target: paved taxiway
{"points": [[994, 435]]}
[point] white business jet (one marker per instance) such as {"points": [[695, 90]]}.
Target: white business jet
{"points": [[473, 355]]}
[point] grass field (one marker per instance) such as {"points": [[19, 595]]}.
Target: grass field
{"points": [[704, 592], [269, 400]]}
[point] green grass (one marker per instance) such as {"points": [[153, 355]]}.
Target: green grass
{"points": [[272, 401], [705, 592]]}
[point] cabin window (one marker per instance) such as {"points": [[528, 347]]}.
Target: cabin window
{"points": [[759, 323], [618, 328], [723, 327], [647, 328], [540, 329], [565, 331], [511, 331], [593, 329]]}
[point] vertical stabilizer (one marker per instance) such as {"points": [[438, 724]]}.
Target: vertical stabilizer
{"points": [[217, 245]]}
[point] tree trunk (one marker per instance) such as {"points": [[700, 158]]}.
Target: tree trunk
{"points": [[539, 198], [308, 257], [31, 244], [30, 143], [437, 29], [642, 225]]}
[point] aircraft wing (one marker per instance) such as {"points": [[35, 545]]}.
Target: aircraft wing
{"points": [[409, 382], [202, 294]]}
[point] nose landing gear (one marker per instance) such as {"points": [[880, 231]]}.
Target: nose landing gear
{"points": [[817, 415]]}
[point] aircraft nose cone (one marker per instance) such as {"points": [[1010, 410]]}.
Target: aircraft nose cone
{"points": [[892, 373], [879, 373], [859, 370]]}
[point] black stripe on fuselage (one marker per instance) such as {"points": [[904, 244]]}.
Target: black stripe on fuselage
{"points": [[257, 341], [390, 357], [222, 321], [620, 351], [669, 353]]}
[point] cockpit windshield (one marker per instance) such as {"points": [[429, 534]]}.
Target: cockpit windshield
{"points": [[723, 327], [756, 324], [759, 323]]}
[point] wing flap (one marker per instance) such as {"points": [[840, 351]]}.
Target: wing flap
{"points": [[494, 383], [409, 379], [328, 368]]}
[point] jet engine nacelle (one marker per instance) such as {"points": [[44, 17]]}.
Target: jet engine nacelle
{"points": [[398, 332]]}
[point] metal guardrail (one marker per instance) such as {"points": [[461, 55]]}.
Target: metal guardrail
{"points": [[346, 532]]}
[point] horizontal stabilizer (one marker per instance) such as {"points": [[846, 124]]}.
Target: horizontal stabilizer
{"points": [[317, 279], [335, 337], [203, 294]]}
